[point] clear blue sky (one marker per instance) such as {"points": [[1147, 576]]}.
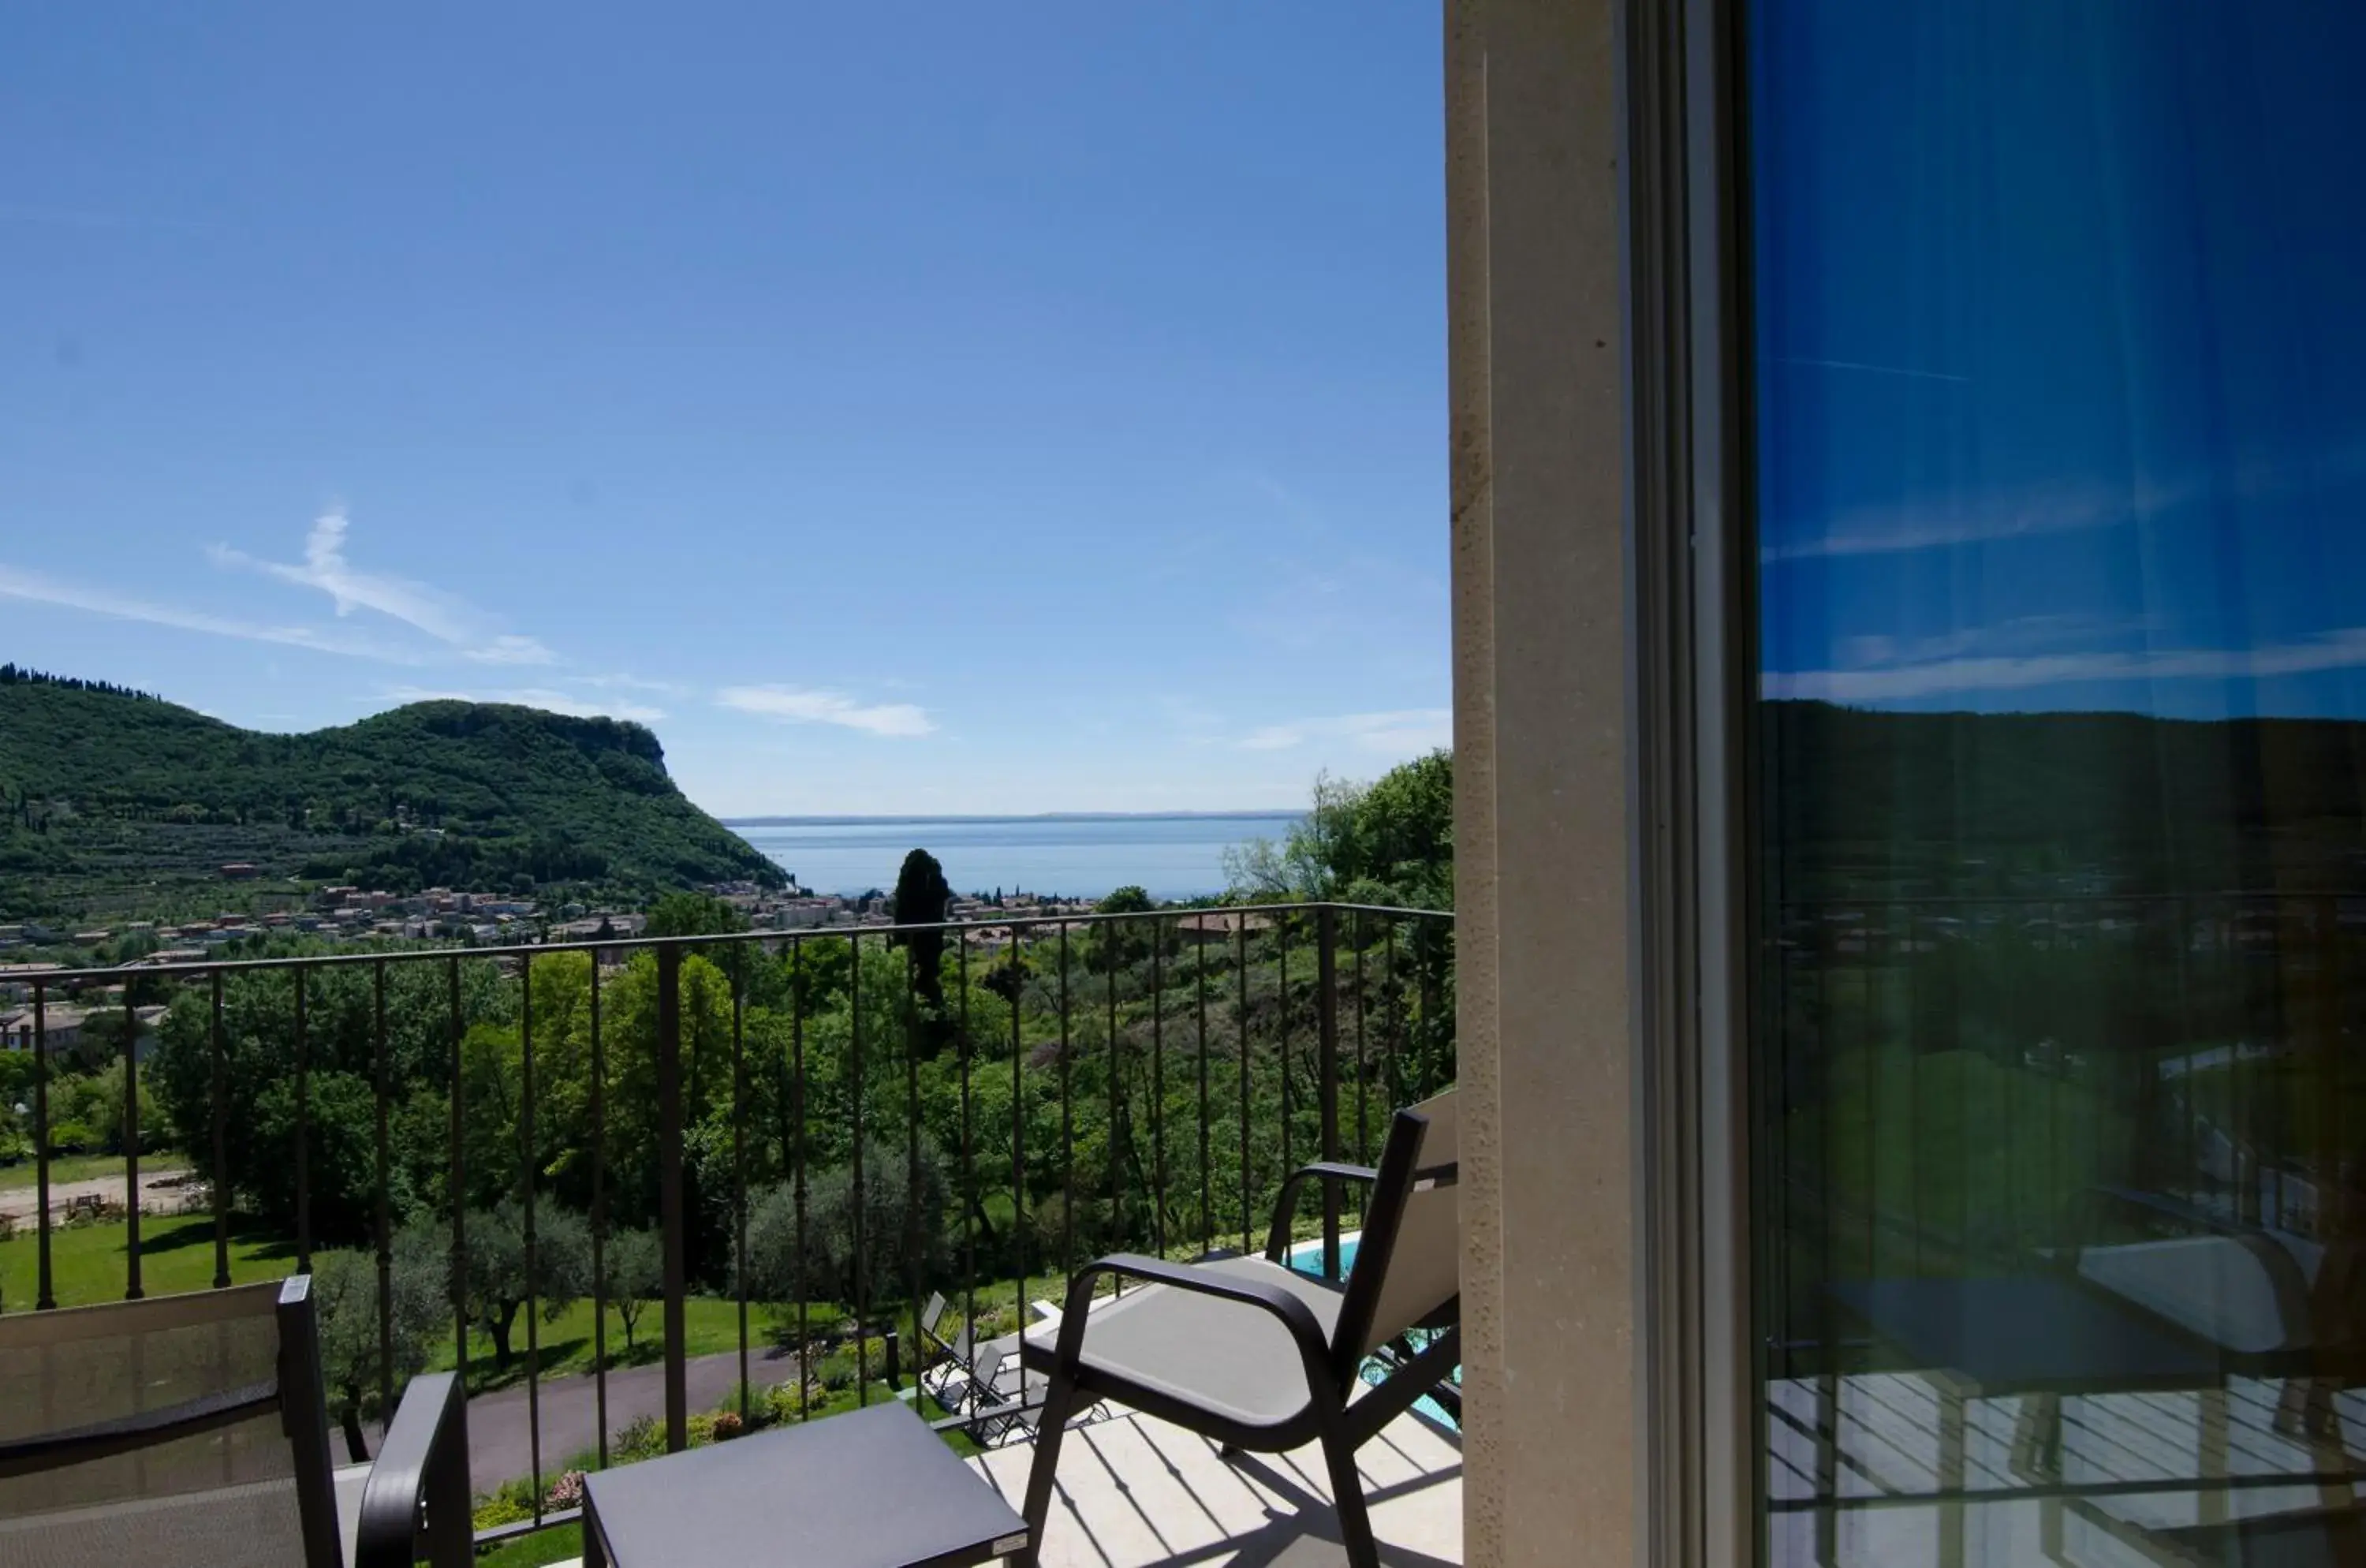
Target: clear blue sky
{"points": [[940, 407], [2062, 324]]}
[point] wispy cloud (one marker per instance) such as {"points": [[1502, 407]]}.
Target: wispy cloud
{"points": [[801, 704], [2344, 648], [1388, 734], [446, 617], [2054, 510], [509, 648], [37, 589], [629, 683], [532, 698]]}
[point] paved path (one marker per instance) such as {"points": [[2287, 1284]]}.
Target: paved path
{"points": [[499, 1445], [160, 1193]]}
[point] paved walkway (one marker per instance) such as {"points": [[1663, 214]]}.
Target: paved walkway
{"points": [[500, 1435], [160, 1193]]}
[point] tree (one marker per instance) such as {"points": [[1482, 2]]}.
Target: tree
{"points": [[694, 914], [922, 897], [498, 1281], [635, 1268], [826, 1269], [344, 1293], [1116, 943], [1391, 841]]}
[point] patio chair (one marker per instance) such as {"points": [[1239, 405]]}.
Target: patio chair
{"points": [[1258, 1356], [191, 1430], [943, 1359]]}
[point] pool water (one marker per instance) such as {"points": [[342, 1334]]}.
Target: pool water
{"points": [[1307, 1258]]}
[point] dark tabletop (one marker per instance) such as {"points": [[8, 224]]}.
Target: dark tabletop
{"points": [[870, 1489], [2027, 1333]]}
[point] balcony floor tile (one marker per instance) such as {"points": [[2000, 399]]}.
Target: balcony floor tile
{"points": [[1135, 1492]]}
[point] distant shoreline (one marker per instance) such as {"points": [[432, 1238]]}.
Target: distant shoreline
{"points": [[1272, 816]]}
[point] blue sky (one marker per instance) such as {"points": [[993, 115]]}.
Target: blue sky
{"points": [[2062, 386], [900, 408]]}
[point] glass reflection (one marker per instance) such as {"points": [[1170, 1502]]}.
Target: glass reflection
{"points": [[2060, 468]]}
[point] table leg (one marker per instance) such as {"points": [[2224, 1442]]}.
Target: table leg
{"points": [[1828, 1468], [2037, 1458], [1950, 1475], [2212, 1444], [594, 1549]]}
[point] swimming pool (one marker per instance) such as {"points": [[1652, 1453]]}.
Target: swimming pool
{"points": [[1307, 1258]]}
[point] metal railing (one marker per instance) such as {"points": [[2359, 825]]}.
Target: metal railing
{"points": [[715, 1064]]}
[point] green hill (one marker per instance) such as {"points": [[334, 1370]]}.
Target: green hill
{"points": [[119, 802]]}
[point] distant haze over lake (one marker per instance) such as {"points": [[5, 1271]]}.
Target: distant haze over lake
{"points": [[1178, 855]]}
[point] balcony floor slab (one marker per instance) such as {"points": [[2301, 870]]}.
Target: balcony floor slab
{"points": [[1135, 1492]]}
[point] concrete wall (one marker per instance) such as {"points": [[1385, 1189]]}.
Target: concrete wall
{"points": [[1540, 812]]}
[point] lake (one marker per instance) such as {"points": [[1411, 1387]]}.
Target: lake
{"points": [[1169, 857]]}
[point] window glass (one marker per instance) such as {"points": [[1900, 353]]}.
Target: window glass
{"points": [[2059, 466]]}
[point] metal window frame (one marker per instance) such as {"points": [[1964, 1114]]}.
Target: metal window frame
{"points": [[1691, 669]]}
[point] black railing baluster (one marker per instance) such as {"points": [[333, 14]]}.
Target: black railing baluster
{"points": [[1281, 1044], [600, 1220], [303, 1133], [380, 1216], [862, 1254], [797, 1166], [969, 1198], [1241, 1019], [912, 1151], [1157, 1093], [1363, 1063], [672, 1219], [219, 1094], [1393, 1037], [1433, 1024], [1067, 1132], [739, 1164], [132, 1290], [45, 1297], [1018, 1149], [1207, 1188], [1120, 1232], [1326, 1080], [533, 1256], [457, 1189]]}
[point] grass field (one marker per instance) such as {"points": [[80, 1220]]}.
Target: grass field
{"points": [[88, 1263]]}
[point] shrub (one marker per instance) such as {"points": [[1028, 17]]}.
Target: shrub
{"points": [[71, 1137], [567, 1492], [639, 1438], [727, 1426]]}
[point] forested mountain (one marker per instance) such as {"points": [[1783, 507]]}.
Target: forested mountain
{"points": [[1961, 804], [104, 788]]}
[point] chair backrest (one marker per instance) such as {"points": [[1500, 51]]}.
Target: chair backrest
{"points": [[933, 1312], [183, 1430], [1409, 1260]]}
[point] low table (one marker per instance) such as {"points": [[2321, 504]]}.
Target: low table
{"points": [[875, 1488]]}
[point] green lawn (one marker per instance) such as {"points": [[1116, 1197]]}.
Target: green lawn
{"points": [[88, 1262], [560, 1544]]}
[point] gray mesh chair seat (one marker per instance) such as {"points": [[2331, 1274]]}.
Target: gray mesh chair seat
{"points": [[1258, 1356], [191, 1430], [1235, 1360]]}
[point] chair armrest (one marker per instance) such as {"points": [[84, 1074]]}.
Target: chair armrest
{"points": [[1295, 1315], [1285, 1204], [416, 1500], [2292, 1289]]}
